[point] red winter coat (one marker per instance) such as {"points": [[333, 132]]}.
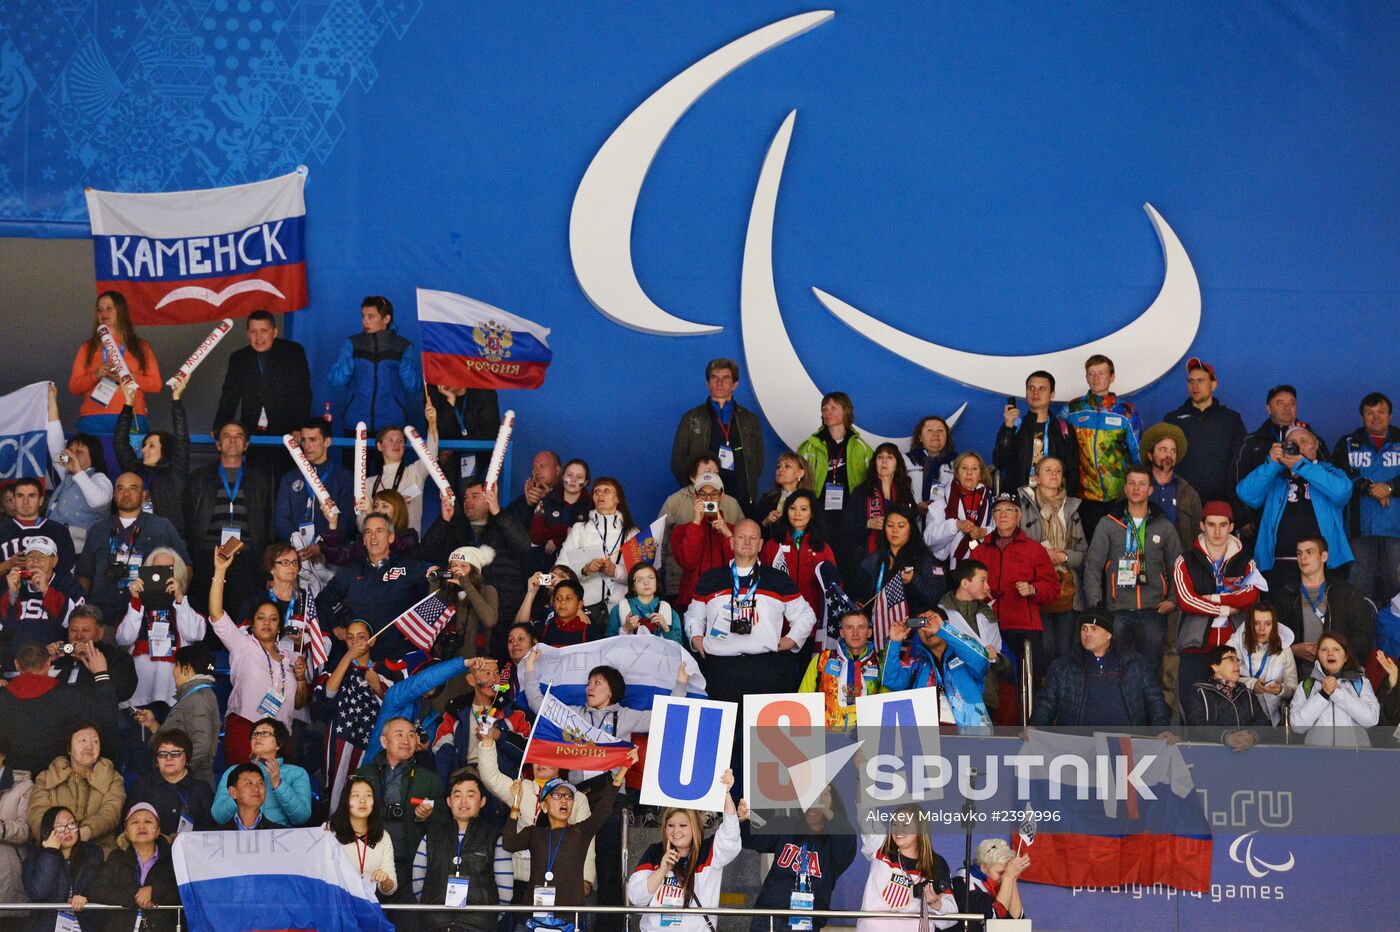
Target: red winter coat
{"points": [[1023, 560], [802, 568], [698, 548]]}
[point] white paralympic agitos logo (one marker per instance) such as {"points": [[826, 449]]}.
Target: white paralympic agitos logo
{"points": [[600, 243], [1257, 868]]}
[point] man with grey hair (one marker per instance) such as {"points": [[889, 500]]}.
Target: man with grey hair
{"points": [[721, 427]]}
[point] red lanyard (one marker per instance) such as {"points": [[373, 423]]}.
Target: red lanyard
{"points": [[362, 849]]}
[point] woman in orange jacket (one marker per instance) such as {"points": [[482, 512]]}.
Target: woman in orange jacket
{"points": [[94, 376]]}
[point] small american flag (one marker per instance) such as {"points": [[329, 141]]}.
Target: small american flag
{"points": [[422, 623], [314, 638], [889, 606]]}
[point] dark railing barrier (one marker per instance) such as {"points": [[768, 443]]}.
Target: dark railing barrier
{"points": [[576, 911]]}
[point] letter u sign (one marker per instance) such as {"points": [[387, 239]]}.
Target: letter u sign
{"points": [[688, 751]]}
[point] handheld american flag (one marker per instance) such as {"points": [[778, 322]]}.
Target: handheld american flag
{"points": [[888, 606], [315, 639], [422, 623]]}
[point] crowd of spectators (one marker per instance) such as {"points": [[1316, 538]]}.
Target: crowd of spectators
{"points": [[156, 619]]}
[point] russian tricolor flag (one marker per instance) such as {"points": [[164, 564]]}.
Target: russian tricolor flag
{"points": [[281, 880], [469, 343], [1117, 835], [562, 738], [189, 256]]}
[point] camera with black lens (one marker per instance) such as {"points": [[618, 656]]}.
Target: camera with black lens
{"points": [[740, 625], [1290, 448], [710, 508], [393, 810], [68, 648]]}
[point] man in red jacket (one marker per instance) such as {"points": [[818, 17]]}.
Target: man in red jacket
{"points": [[706, 542], [1021, 579]]}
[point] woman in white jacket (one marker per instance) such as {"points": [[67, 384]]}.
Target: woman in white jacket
{"points": [[903, 869], [593, 548], [1266, 658], [964, 517], [358, 824], [152, 635], [1335, 704], [686, 869]]}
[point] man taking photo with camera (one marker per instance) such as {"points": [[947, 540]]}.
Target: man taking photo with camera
{"points": [[1298, 496]]}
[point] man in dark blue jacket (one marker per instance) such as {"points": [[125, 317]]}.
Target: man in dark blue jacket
{"points": [[1370, 456], [1099, 686], [376, 589], [380, 371], [1214, 435], [296, 511]]}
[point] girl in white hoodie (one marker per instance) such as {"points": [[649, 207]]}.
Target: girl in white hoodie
{"points": [[1335, 704], [1266, 658]]}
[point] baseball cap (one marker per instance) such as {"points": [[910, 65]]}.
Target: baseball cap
{"points": [[1218, 510], [40, 545], [557, 784], [1196, 362], [1006, 498], [142, 807], [709, 479]]}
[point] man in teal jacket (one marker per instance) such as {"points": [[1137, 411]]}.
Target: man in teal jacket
{"points": [[945, 657]]}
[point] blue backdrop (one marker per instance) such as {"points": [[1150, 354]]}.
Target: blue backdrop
{"points": [[973, 174]]}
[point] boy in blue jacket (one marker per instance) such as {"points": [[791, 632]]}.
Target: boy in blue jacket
{"points": [[945, 657]]}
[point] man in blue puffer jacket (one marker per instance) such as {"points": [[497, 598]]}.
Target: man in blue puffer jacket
{"points": [[1299, 496], [381, 369], [944, 656]]}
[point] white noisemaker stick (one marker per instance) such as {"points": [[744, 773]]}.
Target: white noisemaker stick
{"points": [[434, 470], [201, 351], [114, 353], [498, 453], [323, 498], [361, 455]]}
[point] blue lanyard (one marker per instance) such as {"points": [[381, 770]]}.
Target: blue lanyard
{"points": [[743, 598], [197, 689], [1136, 536], [231, 493], [320, 472], [1218, 568], [553, 850], [1321, 594], [291, 603], [602, 530], [1263, 662]]}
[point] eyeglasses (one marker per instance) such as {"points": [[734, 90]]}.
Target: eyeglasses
{"points": [[263, 734], [66, 827], [560, 794], [170, 755], [287, 562]]}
